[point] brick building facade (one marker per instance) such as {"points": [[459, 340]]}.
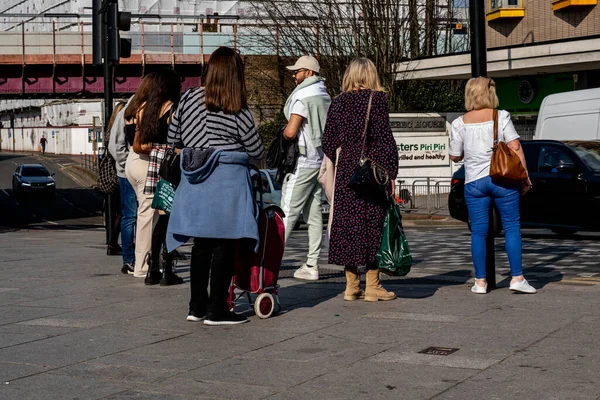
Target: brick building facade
{"points": [[540, 22]]}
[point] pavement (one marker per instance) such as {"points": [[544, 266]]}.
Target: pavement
{"points": [[73, 327]]}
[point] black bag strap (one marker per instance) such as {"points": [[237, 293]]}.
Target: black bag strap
{"points": [[362, 152]]}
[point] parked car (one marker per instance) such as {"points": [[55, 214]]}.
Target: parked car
{"points": [[565, 196], [272, 194], [271, 189], [33, 178]]}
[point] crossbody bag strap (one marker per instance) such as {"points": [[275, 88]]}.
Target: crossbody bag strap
{"points": [[362, 153]]}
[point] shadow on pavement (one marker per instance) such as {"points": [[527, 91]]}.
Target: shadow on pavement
{"points": [[6, 157], [66, 205], [559, 238], [537, 276]]}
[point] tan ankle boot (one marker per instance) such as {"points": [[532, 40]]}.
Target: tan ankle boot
{"points": [[353, 290], [375, 291]]}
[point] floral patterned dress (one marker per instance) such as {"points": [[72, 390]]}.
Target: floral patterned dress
{"points": [[357, 225]]}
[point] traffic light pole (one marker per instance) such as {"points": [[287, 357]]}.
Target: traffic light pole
{"points": [[479, 68], [108, 109]]}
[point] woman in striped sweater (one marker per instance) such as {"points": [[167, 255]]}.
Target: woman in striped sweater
{"points": [[214, 117]]}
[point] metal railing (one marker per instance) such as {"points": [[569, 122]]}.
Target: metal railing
{"points": [[424, 194], [90, 162]]}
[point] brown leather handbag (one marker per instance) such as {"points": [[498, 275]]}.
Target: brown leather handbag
{"points": [[506, 167]]}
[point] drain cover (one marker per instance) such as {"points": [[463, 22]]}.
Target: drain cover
{"points": [[439, 351]]}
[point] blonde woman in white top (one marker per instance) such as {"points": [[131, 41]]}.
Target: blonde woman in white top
{"points": [[471, 140]]}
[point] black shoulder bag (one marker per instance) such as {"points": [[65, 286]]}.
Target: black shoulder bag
{"points": [[282, 155], [369, 179]]}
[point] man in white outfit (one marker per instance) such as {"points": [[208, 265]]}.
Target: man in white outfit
{"points": [[306, 112]]}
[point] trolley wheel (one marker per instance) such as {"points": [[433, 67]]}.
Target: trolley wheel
{"points": [[264, 305]]}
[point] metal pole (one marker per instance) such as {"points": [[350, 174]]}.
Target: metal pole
{"points": [[479, 68], [478, 43], [12, 130], [108, 109]]}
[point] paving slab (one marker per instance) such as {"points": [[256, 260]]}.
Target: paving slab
{"points": [[83, 345], [372, 380], [212, 389], [10, 314], [145, 395], [369, 330], [46, 386], [12, 371]]}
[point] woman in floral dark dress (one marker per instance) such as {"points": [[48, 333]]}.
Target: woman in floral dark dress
{"points": [[357, 225]]}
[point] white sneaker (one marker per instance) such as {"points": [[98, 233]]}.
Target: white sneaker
{"points": [[307, 273], [523, 287], [479, 289]]}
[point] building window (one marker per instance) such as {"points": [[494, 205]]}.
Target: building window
{"points": [[498, 4], [502, 9]]}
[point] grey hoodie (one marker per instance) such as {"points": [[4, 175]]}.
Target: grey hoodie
{"points": [[117, 145]]}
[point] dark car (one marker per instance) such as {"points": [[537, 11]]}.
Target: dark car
{"points": [[565, 196], [33, 178]]}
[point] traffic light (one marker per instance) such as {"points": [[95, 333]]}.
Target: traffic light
{"points": [[97, 32], [117, 21]]}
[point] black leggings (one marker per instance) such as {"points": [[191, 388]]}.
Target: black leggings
{"points": [[159, 235], [214, 257]]}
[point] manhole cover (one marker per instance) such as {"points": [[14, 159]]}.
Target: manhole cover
{"points": [[439, 351]]}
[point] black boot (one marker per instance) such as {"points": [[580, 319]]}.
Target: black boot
{"points": [[169, 277], [114, 250], [153, 276]]}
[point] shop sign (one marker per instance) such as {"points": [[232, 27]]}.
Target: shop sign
{"points": [[423, 151], [418, 124]]}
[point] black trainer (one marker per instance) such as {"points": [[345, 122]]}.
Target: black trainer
{"points": [[194, 316], [127, 269], [228, 318]]}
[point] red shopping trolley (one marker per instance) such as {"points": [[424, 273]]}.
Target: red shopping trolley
{"points": [[258, 273]]}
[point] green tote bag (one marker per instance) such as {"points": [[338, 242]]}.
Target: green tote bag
{"points": [[394, 256], [163, 196]]}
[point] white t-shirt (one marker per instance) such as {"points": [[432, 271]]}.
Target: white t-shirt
{"points": [[475, 141], [314, 155]]}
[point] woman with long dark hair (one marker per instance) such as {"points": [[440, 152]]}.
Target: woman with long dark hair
{"points": [[147, 119], [214, 202]]}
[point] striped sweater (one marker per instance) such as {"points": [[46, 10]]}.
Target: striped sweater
{"points": [[194, 126]]}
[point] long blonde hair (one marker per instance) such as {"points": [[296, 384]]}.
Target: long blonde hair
{"points": [[361, 74]]}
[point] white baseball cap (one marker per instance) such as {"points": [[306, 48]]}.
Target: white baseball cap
{"points": [[306, 62]]}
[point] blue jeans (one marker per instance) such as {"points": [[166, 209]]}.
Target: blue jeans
{"points": [[129, 212], [478, 195]]}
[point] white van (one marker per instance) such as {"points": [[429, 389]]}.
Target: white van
{"points": [[570, 116]]}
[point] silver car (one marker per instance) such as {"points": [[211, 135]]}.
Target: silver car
{"points": [[33, 178], [272, 194]]}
